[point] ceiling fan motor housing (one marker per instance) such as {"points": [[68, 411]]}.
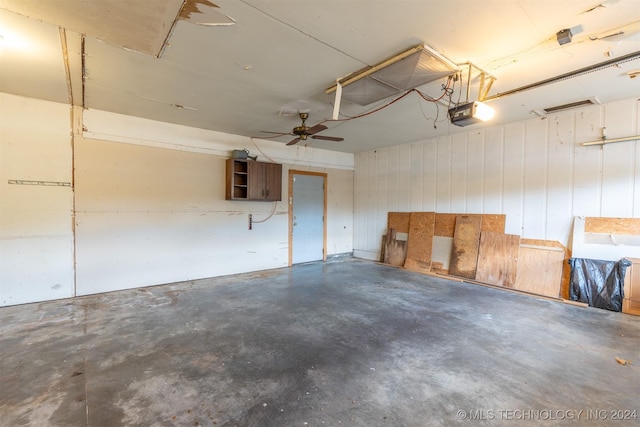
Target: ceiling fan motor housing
{"points": [[301, 130]]}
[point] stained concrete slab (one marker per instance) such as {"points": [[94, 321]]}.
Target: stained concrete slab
{"points": [[350, 343]]}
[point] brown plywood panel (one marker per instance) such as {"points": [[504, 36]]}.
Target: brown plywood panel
{"points": [[395, 251], [494, 222], [631, 301], [420, 242], [605, 245], [417, 265], [399, 221], [540, 242], [466, 239], [498, 258], [566, 269], [445, 224], [540, 270], [612, 225]]}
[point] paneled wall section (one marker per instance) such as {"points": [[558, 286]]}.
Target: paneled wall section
{"points": [[93, 201], [36, 201], [537, 172]]}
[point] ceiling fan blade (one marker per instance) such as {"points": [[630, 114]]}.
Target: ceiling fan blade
{"points": [[293, 141], [328, 138], [315, 129], [278, 133]]}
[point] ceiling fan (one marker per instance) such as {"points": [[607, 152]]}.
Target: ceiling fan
{"points": [[303, 131]]}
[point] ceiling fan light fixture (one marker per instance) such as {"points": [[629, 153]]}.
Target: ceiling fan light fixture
{"points": [[303, 132], [471, 113]]}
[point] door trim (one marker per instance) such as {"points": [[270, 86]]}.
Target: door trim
{"points": [[293, 172]]}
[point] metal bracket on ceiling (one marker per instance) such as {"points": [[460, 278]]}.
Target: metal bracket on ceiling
{"points": [[486, 81]]}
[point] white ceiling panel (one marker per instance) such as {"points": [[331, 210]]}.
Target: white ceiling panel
{"points": [[141, 25], [31, 61], [245, 66]]}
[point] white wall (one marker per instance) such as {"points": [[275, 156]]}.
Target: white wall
{"points": [[149, 203], [36, 201], [536, 172], [148, 215], [149, 196]]}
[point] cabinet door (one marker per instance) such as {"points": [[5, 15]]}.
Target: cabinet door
{"points": [[256, 184], [273, 181], [265, 181]]}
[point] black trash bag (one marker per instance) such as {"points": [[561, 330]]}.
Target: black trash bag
{"points": [[598, 283]]}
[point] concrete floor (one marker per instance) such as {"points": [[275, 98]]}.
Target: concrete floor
{"points": [[350, 343]]}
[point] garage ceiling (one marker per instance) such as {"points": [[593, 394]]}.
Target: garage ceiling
{"points": [[246, 66]]}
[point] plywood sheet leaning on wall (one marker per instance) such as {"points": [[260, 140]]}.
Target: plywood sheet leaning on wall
{"points": [[420, 241], [630, 226], [494, 223], [399, 221], [395, 251], [540, 270], [608, 239], [446, 223], [466, 239], [566, 269], [631, 300], [498, 258]]}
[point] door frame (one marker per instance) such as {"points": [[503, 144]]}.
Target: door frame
{"points": [[293, 172]]}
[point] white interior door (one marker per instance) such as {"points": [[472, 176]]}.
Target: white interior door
{"points": [[307, 217]]}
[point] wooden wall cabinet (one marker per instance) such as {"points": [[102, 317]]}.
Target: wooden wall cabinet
{"points": [[253, 180]]}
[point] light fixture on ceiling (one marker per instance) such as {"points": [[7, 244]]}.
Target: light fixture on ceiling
{"points": [[582, 103], [470, 113], [412, 68], [564, 36], [13, 40], [543, 112]]}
